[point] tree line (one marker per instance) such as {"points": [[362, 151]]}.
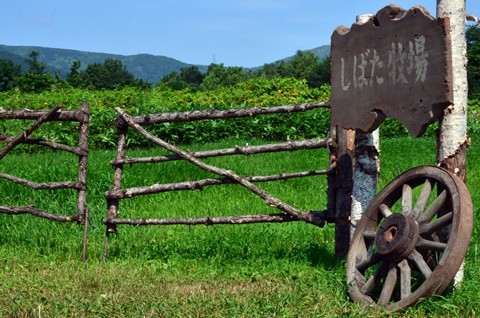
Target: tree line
{"points": [[304, 65], [112, 74]]}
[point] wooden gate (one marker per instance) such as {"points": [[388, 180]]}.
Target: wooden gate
{"points": [[137, 123], [55, 114]]}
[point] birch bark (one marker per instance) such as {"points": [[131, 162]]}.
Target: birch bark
{"points": [[452, 136], [367, 165]]}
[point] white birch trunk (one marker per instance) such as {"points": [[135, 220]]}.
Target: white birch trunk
{"points": [[367, 168], [452, 137], [367, 165]]}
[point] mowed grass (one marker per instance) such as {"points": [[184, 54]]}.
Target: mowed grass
{"points": [[261, 270]]}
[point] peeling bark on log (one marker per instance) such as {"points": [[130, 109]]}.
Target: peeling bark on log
{"points": [[367, 168], [64, 115], [199, 184], [82, 209], [117, 184], [196, 115], [37, 212], [24, 135], [452, 135], [43, 186], [212, 220], [247, 150], [268, 198], [51, 144]]}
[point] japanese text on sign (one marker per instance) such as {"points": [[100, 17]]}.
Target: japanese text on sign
{"points": [[403, 64]]}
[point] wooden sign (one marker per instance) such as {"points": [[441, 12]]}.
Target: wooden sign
{"points": [[396, 65]]}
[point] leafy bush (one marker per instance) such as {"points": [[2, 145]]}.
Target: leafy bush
{"points": [[252, 93], [255, 92]]}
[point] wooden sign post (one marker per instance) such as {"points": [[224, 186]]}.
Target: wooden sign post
{"points": [[394, 64]]}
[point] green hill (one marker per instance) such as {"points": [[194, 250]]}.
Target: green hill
{"points": [[148, 67]]}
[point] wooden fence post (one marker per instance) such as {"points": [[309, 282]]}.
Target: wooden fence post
{"points": [[344, 185]]}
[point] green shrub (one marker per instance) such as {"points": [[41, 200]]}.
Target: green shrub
{"points": [[255, 92], [252, 93]]}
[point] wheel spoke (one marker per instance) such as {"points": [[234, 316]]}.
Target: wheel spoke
{"points": [[377, 276], [436, 225], [423, 267], [422, 199], [433, 208], [406, 199], [388, 287], [369, 235], [385, 210], [431, 245], [368, 262], [405, 279]]}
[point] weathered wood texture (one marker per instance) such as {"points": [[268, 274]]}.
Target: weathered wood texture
{"points": [[196, 115], [27, 114], [290, 213], [343, 185], [267, 197], [213, 220], [397, 65], [24, 135], [50, 144], [55, 114], [200, 184], [37, 212], [238, 150]]}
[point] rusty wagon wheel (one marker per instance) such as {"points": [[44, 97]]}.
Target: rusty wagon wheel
{"points": [[411, 240]]}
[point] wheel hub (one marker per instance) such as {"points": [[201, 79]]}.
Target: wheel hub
{"points": [[396, 237]]}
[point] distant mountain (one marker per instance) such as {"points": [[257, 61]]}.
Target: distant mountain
{"points": [[148, 67], [151, 68]]}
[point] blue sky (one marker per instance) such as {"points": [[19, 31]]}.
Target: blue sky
{"points": [[234, 32]]}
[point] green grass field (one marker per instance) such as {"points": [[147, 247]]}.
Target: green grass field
{"points": [[262, 270]]}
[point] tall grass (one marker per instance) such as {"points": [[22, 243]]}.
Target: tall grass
{"points": [[285, 270]]}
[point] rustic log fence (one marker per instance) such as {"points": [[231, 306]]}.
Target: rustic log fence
{"points": [[289, 213], [55, 114]]}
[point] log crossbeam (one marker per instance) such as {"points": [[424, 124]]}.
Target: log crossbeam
{"points": [[197, 115], [37, 212], [237, 150], [50, 144], [24, 135], [199, 184], [214, 220], [27, 114], [45, 185]]}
